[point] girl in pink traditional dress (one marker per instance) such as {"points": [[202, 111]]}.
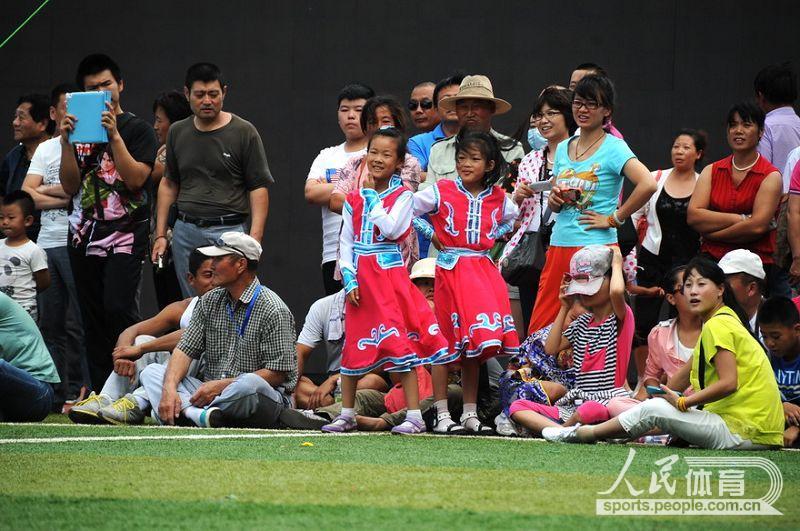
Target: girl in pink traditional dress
{"points": [[471, 299], [388, 323]]}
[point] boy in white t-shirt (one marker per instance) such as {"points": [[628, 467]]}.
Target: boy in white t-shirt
{"points": [[23, 264], [324, 172]]}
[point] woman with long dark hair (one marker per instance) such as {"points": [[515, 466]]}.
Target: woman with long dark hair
{"points": [[735, 405]]}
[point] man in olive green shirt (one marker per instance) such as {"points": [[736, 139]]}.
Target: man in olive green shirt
{"points": [[475, 106], [26, 368]]}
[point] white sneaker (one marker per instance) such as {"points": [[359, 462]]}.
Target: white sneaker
{"points": [[565, 435], [505, 426]]}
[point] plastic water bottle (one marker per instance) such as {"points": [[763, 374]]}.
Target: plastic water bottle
{"points": [[337, 391], [654, 439]]}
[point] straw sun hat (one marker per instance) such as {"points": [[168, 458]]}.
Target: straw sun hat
{"points": [[475, 87]]}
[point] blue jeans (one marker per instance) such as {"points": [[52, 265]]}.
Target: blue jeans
{"points": [[23, 398], [186, 237], [61, 325]]}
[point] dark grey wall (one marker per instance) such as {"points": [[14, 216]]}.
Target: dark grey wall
{"points": [[675, 63]]}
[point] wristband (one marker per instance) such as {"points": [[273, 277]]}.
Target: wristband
{"points": [[158, 238], [612, 222], [616, 218]]}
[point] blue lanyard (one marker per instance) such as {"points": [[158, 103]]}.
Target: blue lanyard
{"points": [[246, 313]]}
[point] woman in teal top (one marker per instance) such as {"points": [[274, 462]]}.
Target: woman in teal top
{"points": [[588, 169], [736, 405]]}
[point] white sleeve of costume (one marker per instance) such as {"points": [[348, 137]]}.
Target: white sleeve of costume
{"points": [[393, 224], [426, 201], [346, 262]]}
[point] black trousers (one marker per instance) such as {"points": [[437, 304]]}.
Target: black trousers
{"points": [[331, 285], [528, 288], [107, 289]]}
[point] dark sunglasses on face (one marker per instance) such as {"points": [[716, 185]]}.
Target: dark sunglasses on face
{"points": [[425, 104]]}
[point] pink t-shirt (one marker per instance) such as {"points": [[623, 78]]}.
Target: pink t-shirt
{"points": [[661, 355], [395, 399]]}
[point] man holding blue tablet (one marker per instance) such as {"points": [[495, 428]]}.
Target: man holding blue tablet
{"points": [[109, 220]]}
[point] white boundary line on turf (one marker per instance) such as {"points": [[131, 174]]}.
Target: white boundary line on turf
{"points": [[189, 436], [262, 434]]}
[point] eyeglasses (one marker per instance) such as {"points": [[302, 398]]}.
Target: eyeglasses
{"points": [[549, 115], [589, 104], [426, 105]]}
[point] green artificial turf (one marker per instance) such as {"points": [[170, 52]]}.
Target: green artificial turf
{"points": [[378, 481]]}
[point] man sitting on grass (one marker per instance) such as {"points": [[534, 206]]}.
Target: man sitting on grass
{"points": [[780, 327], [122, 399], [245, 333]]}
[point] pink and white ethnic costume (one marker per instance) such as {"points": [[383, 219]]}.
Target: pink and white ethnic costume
{"points": [[470, 296], [392, 327]]}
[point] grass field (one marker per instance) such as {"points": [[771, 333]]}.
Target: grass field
{"points": [[54, 476]]}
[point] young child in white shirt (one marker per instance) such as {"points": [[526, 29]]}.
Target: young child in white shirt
{"points": [[23, 264]]}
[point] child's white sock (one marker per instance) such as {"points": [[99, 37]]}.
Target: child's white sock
{"points": [[441, 408], [349, 412], [193, 413], [415, 415], [469, 419], [443, 420]]}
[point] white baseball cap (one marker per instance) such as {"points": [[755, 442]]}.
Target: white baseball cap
{"points": [[425, 268], [742, 261], [234, 243], [588, 268]]}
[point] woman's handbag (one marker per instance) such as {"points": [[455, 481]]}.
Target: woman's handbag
{"points": [[526, 258]]}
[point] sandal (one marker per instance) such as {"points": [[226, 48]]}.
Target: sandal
{"points": [[453, 429], [480, 429]]}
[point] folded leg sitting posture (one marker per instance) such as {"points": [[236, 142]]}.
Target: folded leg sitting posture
{"points": [[600, 339], [122, 400], [732, 379], [245, 334]]}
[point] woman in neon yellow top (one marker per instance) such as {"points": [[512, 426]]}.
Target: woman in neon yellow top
{"points": [[737, 405]]}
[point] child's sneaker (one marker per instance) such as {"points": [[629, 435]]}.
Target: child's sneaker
{"points": [[410, 427], [505, 426], [123, 411], [340, 424], [559, 434]]}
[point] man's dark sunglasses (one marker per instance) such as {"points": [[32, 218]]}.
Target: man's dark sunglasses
{"points": [[425, 104]]}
